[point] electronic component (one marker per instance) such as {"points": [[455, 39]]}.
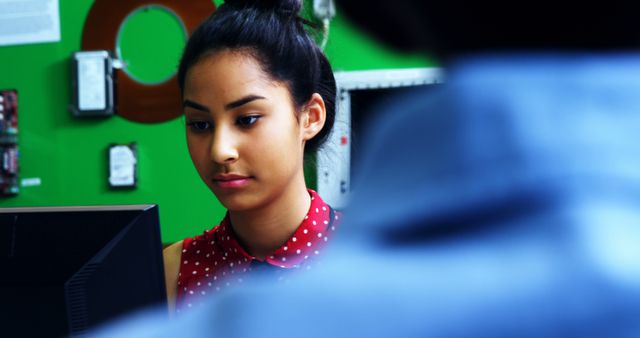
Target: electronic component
{"points": [[122, 166], [9, 143], [93, 84], [324, 9]]}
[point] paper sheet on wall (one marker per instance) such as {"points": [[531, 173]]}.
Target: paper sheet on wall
{"points": [[29, 21]]}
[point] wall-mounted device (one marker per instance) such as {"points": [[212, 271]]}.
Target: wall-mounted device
{"points": [[359, 92], [9, 143], [93, 83], [123, 163], [324, 9]]}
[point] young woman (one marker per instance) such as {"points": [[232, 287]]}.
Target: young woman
{"points": [[257, 94]]}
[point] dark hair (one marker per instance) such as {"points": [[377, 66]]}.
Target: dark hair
{"points": [[272, 32]]}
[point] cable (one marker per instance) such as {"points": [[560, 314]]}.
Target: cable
{"points": [[324, 10], [325, 33]]}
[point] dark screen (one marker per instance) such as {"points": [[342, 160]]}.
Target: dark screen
{"points": [[65, 272]]}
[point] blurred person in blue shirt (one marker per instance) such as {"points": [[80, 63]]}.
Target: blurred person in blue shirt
{"points": [[504, 203]]}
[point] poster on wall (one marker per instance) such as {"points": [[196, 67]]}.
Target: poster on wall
{"points": [[29, 21]]}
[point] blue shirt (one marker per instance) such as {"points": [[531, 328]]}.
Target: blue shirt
{"points": [[502, 204]]}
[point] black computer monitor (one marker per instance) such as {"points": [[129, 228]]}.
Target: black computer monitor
{"points": [[66, 270]]}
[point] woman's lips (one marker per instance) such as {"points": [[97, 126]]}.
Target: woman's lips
{"points": [[230, 181]]}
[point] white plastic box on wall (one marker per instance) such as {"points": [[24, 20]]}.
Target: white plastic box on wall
{"points": [[334, 160]]}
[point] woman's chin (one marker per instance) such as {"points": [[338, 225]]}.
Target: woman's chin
{"points": [[237, 203]]}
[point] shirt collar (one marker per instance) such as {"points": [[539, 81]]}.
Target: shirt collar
{"points": [[306, 242]]}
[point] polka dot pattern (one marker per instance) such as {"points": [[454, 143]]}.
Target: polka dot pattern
{"points": [[215, 260]]}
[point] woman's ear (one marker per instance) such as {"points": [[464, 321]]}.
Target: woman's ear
{"points": [[313, 117]]}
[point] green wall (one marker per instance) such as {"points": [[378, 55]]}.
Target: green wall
{"points": [[69, 154]]}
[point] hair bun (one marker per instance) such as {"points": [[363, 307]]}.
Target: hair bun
{"points": [[288, 6]]}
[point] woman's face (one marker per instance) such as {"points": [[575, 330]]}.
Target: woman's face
{"points": [[242, 132]]}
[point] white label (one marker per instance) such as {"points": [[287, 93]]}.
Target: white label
{"points": [[92, 87], [31, 182], [29, 21], [122, 163]]}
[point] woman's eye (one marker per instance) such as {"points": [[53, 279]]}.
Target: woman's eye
{"points": [[247, 121], [199, 126]]}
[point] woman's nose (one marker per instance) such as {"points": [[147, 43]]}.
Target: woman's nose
{"points": [[223, 147]]}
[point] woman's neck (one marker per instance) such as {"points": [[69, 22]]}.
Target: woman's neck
{"points": [[262, 231]]}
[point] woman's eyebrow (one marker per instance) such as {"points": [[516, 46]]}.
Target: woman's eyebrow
{"points": [[195, 105], [229, 106], [237, 103]]}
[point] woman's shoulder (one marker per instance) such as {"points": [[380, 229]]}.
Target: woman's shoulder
{"points": [[171, 253], [206, 236], [174, 251]]}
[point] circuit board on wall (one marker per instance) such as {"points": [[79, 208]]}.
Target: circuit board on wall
{"points": [[9, 142]]}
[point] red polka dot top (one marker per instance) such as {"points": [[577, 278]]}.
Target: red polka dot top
{"points": [[215, 260]]}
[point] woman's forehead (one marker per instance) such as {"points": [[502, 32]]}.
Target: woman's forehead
{"points": [[228, 68], [226, 76]]}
